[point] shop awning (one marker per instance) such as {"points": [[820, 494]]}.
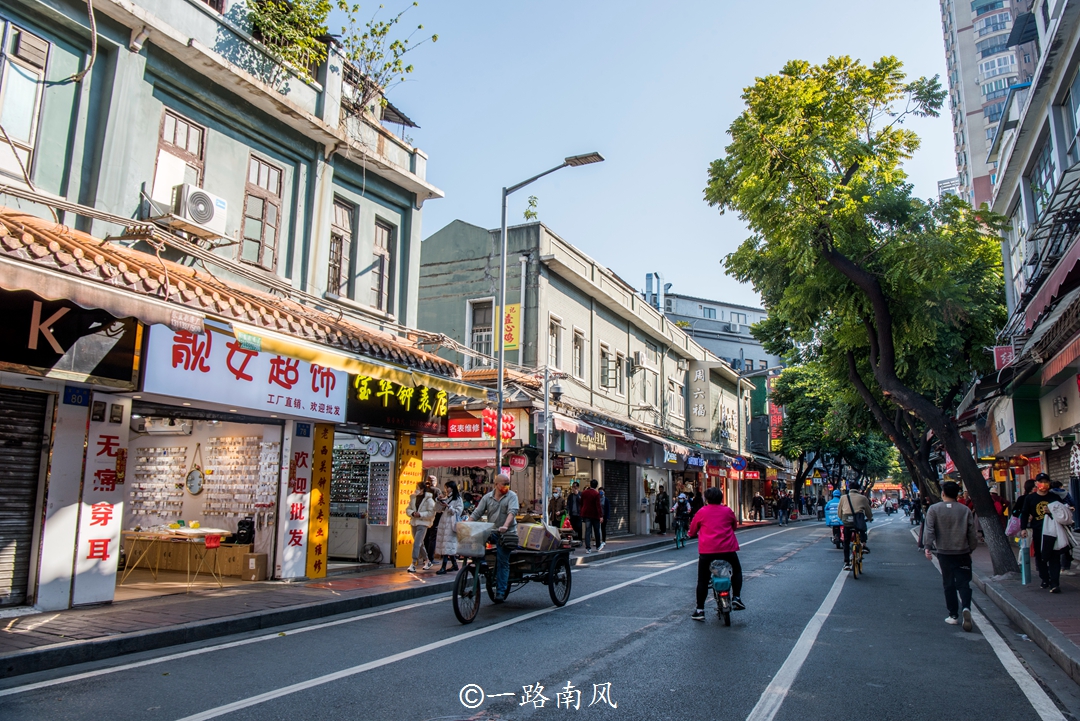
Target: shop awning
{"points": [[481, 457], [619, 433], [571, 425], [672, 446]]}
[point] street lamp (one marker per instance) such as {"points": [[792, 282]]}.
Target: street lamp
{"points": [[572, 162], [550, 391]]}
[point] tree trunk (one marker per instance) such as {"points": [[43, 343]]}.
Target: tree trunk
{"points": [[883, 363]]}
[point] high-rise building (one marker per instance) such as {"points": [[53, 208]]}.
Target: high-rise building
{"points": [[984, 60]]}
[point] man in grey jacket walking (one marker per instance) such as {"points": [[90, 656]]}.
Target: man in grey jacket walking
{"points": [[950, 527]]}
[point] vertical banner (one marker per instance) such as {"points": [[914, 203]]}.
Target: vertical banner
{"points": [[295, 504], [322, 457], [410, 472], [511, 327], [101, 511]]}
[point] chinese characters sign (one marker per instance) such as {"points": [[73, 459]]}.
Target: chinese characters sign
{"points": [[410, 473], [776, 421], [386, 404], [219, 368], [322, 457], [511, 327], [464, 427], [1003, 356], [296, 510], [102, 509]]}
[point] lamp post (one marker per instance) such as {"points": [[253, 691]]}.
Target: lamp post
{"points": [[572, 162], [549, 391]]}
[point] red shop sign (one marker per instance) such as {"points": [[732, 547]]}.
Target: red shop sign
{"points": [[464, 428], [752, 475], [519, 462]]}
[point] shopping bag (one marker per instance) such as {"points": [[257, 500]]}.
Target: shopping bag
{"points": [[472, 537], [213, 541], [1012, 528], [566, 523]]}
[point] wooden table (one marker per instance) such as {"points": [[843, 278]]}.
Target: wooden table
{"points": [[194, 538]]}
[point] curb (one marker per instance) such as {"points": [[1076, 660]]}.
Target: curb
{"points": [[1063, 651], [69, 653]]}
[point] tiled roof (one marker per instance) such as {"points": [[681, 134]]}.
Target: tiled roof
{"points": [[58, 247]]}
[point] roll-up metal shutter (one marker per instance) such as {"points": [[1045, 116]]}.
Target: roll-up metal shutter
{"points": [[617, 490], [22, 425]]}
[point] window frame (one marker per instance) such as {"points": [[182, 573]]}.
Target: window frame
{"points": [[382, 256], [676, 393], [470, 330], [268, 198], [620, 374], [345, 238], [604, 376], [7, 59], [579, 362], [555, 350]]}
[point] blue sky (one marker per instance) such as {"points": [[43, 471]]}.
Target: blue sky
{"points": [[512, 87]]}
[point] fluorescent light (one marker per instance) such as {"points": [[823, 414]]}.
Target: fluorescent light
{"points": [[575, 160], [232, 410], [187, 404], [135, 415]]}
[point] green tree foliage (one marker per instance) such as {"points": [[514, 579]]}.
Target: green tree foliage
{"points": [[849, 263], [294, 30]]}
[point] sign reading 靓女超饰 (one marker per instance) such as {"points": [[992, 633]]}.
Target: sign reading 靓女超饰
{"points": [[386, 404], [219, 368]]}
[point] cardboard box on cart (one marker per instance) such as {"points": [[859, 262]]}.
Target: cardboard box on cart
{"points": [[537, 536]]}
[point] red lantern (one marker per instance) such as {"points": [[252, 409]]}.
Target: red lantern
{"points": [[508, 427]]}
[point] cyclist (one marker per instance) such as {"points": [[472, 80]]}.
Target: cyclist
{"points": [[682, 510], [714, 527], [852, 502], [832, 518]]}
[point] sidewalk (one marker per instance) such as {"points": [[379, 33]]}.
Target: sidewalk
{"points": [[1051, 621], [39, 641]]}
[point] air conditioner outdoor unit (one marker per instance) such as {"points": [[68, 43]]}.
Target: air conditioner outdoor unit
{"points": [[638, 359], [198, 212], [166, 427], [734, 327]]}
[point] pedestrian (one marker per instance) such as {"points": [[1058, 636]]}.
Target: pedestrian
{"points": [[662, 507], [1058, 490], [757, 504], [573, 510], [556, 507], [433, 531], [697, 502], [592, 515], [446, 542], [500, 505], [783, 508], [421, 511], [950, 529], [1047, 559], [605, 514], [714, 527], [832, 518]]}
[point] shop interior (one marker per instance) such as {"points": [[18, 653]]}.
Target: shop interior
{"points": [[360, 500], [201, 491]]}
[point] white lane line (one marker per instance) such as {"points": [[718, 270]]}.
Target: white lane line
{"points": [[271, 636], [778, 688], [1036, 696], [666, 548], [377, 663], [199, 651]]}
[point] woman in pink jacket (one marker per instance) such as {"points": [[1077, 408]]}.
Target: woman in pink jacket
{"points": [[714, 527]]}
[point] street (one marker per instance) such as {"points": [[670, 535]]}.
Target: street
{"points": [[624, 641]]}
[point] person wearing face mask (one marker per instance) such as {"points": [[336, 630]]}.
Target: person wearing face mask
{"points": [[1047, 560], [556, 507]]}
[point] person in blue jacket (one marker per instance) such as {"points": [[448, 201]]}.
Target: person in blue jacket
{"points": [[832, 517]]}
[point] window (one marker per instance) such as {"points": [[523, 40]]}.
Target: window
{"points": [[1043, 177], [22, 74], [480, 331], [763, 365], [651, 353], [748, 364], [993, 112], [984, 6], [579, 354], [992, 46], [262, 214], [993, 24], [708, 313], [607, 367], [218, 5], [183, 139], [738, 318], [554, 342], [381, 267], [620, 374], [1005, 65], [341, 240], [676, 401]]}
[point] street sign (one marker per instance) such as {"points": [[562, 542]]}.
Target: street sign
{"points": [[739, 463], [519, 462], [817, 473]]}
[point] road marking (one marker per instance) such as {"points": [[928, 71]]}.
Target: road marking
{"points": [[419, 650], [271, 636], [1036, 696], [774, 695], [597, 564]]}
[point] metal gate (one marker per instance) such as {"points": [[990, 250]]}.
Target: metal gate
{"points": [[617, 490], [22, 426]]}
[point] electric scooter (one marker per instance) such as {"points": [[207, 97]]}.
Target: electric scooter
{"points": [[721, 583]]}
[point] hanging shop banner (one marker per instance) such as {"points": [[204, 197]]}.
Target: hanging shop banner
{"points": [[297, 507], [751, 475], [101, 511], [776, 419], [219, 368], [322, 455], [511, 327], [58, 339], [386, 404], [468, 427], [410, 473]]}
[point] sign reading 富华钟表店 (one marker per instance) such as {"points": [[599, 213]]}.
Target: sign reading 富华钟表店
{"points": [[386, 404]]}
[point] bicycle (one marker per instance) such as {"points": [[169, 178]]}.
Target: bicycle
{"points": [[681, 526], [856, 551]]}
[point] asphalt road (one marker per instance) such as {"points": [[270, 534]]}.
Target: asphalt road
{"points": [[812, 644]]}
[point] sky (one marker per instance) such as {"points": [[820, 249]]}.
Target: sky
{"points": [[513, 87]]}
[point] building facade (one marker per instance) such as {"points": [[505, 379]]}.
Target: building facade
{"points": [[984, 60], [642, 403], [210, 270]]}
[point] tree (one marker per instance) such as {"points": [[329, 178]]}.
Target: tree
{"points": [[909, 291]]}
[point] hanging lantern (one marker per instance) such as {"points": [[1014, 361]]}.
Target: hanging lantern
{"points": [[1018, 462]]}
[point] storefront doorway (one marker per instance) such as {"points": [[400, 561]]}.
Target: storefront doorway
{"points": [[617, 490], [22, 428]]}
